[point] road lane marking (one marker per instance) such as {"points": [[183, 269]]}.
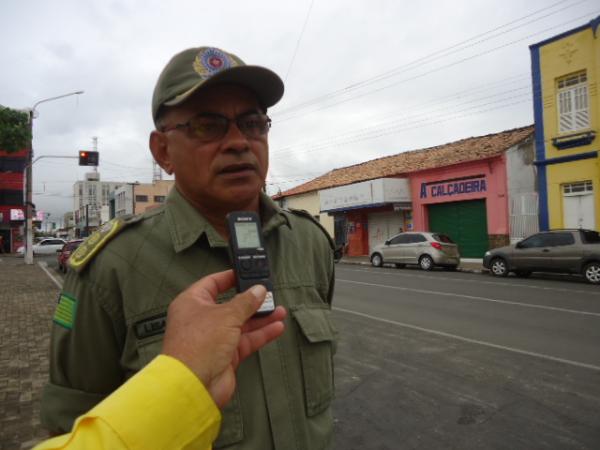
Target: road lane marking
{"points": [[473, 297], [44, 267], [496, 283], [472, 341]]}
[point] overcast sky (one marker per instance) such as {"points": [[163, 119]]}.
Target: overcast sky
{"points": [[364, 79]]}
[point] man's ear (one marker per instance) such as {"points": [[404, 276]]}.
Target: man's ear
{"points": [[159, 148]]}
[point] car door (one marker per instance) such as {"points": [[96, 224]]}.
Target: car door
{"points": [[417, 246], [534, 253], [393, 251], [566, 253]]}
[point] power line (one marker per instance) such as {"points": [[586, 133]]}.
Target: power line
{"points": [[396, 119], [298, 41], [422, 61], [419, 124]]}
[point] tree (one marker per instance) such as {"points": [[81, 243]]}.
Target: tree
{"points": [[15, 132]]}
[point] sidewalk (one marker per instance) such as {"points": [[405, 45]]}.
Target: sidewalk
{"points": [[466, 265], [27, 301]]}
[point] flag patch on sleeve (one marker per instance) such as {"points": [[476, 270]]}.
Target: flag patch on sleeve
{"points": [[65, 311]]}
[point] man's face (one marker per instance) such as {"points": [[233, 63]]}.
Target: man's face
{"points": [[222, 174]]}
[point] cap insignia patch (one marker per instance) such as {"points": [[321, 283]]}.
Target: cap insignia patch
{"points": [[210, 61]]}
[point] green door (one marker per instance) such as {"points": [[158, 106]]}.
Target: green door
{"points": [[465, 223]]}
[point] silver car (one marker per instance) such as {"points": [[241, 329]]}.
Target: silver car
{"points": [[45, 246], [424, 248]]}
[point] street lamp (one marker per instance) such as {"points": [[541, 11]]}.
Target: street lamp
{"points": [[28, 184]]}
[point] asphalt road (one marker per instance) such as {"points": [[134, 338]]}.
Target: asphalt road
{"points": [[451, 360], [440, 359]]}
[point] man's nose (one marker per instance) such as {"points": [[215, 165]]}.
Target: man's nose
{"points": [[234, 139]]}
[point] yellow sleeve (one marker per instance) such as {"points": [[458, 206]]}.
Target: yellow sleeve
{"points": [[164, 406]]}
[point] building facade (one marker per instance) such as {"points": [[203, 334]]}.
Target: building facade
{"points": [[565, 72], [135, 198], [90, 198], [480, 191], [12, 208]]}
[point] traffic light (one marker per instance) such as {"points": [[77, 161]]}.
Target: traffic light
{"points": [[88, 158]]}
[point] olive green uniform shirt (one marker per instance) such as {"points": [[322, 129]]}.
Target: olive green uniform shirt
{"points": [[119, 300]]}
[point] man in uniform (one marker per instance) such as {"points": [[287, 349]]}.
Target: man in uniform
{"points": [[209, 109]]}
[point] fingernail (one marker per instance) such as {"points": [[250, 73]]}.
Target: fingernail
{"points": [[258, 290]]}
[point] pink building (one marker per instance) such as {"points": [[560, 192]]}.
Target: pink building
{"points": [[480, 191]]}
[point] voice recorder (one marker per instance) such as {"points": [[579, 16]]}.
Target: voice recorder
{"points": [[249, 256]]}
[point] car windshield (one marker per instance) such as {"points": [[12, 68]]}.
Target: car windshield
{"points": [[443, 238]]}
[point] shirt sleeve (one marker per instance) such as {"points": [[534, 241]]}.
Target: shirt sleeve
{"points": [[85, 348], [164, 406]]}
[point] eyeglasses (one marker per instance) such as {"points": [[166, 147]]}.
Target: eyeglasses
{"points": [[211, 127]]}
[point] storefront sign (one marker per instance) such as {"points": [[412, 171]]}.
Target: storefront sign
{"points": [[452, 188], [17, 214], [367, 193]]}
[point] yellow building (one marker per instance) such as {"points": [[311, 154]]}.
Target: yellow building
{"points": [[566, 71]]}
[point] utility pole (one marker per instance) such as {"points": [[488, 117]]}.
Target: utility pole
{"points": [[28, 182]]}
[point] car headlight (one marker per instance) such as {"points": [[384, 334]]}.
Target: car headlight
{"points": [[488, 253]]}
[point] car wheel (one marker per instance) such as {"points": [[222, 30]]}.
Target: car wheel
{"points": [[426, 262], [377, 260], [591, 272], [498, 267], [522, 273]]}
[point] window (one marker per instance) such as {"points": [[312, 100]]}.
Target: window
{"points": [[416, 238], [591, 237], [159, 199], [443, 238], [400, 239], [573, 112], [557, 239], [12, 164], [548, 240], [575, 188], [141, 198], [11, 197]]}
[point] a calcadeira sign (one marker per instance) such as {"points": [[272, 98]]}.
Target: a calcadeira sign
{"points": [[454, 187]]}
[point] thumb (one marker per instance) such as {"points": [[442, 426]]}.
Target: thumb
{"points": [[248, 302]]}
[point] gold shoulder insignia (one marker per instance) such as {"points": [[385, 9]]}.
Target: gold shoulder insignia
{"points": [[98, 239]]}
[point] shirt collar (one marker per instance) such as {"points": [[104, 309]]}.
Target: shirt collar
{"points": [[187, 225]]}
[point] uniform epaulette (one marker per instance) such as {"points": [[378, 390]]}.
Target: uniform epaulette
{"points": [[98, 239], [306, 214]]}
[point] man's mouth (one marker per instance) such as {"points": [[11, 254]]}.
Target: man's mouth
{"points": [[238, 168]]}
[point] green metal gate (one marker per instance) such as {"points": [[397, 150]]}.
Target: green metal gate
{"points": [[464, 222]]}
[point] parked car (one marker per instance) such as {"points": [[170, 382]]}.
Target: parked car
{"points": [[64, 253], [426, 249], [46, 246], [567, 251]]}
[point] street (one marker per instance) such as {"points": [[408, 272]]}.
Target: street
{"points": [[460, 360], [425, 360]]}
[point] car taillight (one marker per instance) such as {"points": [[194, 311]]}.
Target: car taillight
{"points": [[436, 245]]}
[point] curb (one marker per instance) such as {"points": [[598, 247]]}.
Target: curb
{"points": [[458, 269]]}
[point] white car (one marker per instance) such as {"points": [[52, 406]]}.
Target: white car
{"points": [[46, 246]]}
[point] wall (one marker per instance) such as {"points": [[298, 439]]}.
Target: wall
{"points": [[158, 188], [310, 202], [495, 195], [562, 55], [559, 174], [521, 176]]}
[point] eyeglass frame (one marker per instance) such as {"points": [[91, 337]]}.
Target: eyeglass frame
{"points": [[236, 119]]}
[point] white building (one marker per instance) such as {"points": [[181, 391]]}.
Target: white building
{"points": [[89, 197]]}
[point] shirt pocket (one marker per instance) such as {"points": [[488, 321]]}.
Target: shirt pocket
{"points": [[317, 343]]}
